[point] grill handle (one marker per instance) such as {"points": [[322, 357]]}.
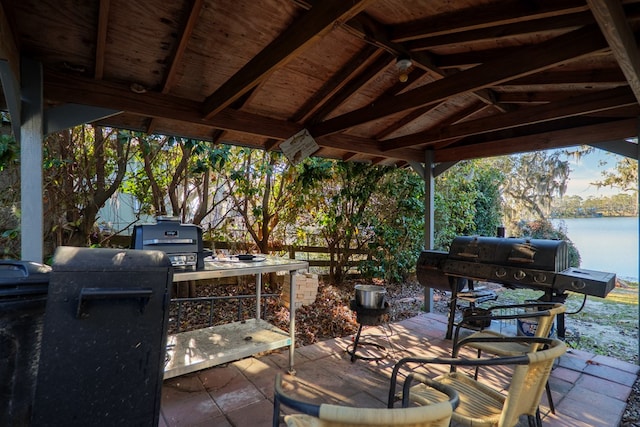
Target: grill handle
{"points": [[92, 294], [168, 241]]}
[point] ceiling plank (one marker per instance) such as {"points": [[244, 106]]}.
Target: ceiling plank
{"points": [[579, 105], [527, 60], [590, 134], [295, 39], [612, 21]]}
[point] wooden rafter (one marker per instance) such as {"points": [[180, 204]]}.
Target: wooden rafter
{"points": [[171, 75], [373, 32], [612, 21], [501, 13], [101, 38], [528, 60], [579, 105], [571, 21], [557, 138], [295, 39], [185, 36], [381, 61], [335, 83]]}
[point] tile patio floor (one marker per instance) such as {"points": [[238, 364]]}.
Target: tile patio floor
{"points": [[588, 390]]}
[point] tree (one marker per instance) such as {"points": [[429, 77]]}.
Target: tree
{"points": [[9, 197], [532, 180], [83, 167], [624, 176], [396, 212], [467, 201], [339, 208], [264, 189], [185, 173]]}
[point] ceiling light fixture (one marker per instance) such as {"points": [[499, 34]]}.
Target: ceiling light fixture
{"points": [[403, 63]]}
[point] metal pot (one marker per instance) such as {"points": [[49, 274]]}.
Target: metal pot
{"points": [[370, 296]]}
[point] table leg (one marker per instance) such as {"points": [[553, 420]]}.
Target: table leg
{"points": [[258, 296], [292, 319]]}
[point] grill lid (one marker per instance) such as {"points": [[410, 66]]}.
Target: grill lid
{"points": [[537, 254]]}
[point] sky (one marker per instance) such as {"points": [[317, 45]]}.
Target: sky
{"points": [[587, 170]]}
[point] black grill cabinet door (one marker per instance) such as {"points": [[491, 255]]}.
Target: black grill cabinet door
{"points": [[104, 338]]}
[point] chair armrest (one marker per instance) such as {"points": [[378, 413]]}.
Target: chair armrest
{"points": [[526, 340], [280, 397], [454, 399], [454, 362]]}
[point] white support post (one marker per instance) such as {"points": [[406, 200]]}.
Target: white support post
{"points": [[31, 121], [429, 187]]}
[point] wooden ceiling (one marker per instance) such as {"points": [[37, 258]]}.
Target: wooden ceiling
{"points": [[487, 77]]}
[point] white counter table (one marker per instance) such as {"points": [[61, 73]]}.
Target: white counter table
{"points": [[203, 348]]}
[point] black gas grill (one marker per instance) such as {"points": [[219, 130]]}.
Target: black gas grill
{"points": [[517, 263], [522, 263]]}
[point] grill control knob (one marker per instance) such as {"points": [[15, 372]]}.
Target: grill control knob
{"points": [[578, 284], [519, 275], [540, 278], [501, 272]]}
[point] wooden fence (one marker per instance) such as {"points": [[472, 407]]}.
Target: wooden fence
{"points": [[316, 256]]}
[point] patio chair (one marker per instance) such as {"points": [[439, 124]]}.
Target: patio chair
{"points": [[544, 313], [480, 404], [436, 414]]}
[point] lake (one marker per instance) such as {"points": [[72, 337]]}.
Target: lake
{"points": [[606, 244]]}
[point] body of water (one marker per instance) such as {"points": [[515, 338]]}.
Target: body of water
{"points": [[606, 244]]}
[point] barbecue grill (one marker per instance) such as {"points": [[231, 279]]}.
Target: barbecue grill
{"points": [[513, 262], [181, 242]]}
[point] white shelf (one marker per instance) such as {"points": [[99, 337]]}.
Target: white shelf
{"points": [[203, 348]]}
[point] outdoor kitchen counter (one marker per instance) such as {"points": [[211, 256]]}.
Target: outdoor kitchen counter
{"points": [[203, 348]]}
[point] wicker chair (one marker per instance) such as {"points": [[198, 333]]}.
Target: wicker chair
{"points": [[544, 313], [481, 405], [437, 414]]}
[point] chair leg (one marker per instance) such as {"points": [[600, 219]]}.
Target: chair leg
{"points": [[275, 421], [475, 375], [550, 399]]}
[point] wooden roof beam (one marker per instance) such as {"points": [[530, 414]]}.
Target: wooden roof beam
{"points": [[612, 21], [152, 104], [381, 61], [586, 134], [101, 38], [352, 68], [574, 106], [511, 11], [185, 36], [296, 38], [571, 21], [371, 31], [551, 53]]}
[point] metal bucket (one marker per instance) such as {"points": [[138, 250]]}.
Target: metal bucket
{"points": [[370, 296]]}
